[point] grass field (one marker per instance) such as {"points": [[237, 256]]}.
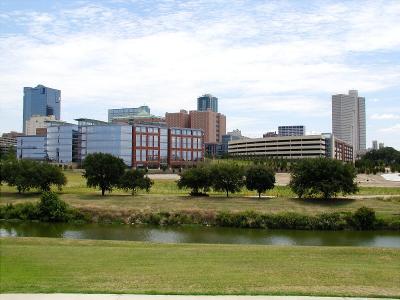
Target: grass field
{"points": [[165, 196], [41, 265]]}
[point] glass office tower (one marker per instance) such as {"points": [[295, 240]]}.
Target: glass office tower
{"points": [[41, 101], [207, 102], [62, 143], [112, 139]]}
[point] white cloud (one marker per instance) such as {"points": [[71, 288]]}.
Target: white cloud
{"points": [[385, 117], [392, 129], [266, 58]]}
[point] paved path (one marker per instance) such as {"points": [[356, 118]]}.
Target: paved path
{"points": [[156, 297]]}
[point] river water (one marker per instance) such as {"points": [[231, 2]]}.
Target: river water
{"points": [[200, 234]]}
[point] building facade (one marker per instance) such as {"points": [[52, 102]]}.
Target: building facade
{"points": [[111, 139], [338, 149], [292, 130], [37, 122], [180, 119], [41, 101], [213, 124], [186, 147], [62, 143], [292, 147], [348, 120], [207, 102], [8, 140], [31, 147], [137, 145], [126, 113], [150, 146]]}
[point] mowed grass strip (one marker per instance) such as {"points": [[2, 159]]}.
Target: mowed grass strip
{"points": [[165, 196], [123, 203], [38, 265]]}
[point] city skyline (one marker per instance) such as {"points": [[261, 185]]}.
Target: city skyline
{"points": [[164, 55]]}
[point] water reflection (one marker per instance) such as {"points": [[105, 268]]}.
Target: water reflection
{"points": [[208, 235]]}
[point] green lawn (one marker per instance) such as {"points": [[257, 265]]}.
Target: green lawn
{"points": [[39, 265], [165, 196]]}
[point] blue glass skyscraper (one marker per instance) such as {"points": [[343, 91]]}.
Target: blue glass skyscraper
{"points": [[207, 102], [41, 101]]}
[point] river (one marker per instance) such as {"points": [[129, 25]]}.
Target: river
{"points": [[200, 234]]}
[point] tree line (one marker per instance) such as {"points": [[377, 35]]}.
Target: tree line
{"points": [[376, 161], [316, 177], [28, 174], [313, 177]]}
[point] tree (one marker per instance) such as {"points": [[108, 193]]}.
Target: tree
{"points": [[260, 178], [19, 173], [197, 179], [46, 175], [227, 177], [322, 176], [27, 174], [103, 170], [134, 180]]}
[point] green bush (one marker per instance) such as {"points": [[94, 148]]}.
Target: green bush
{"points": [[51, 208], [21, 211], [364, 219]]}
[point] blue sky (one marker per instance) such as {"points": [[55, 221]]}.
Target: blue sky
{"points": [[270, 63]]}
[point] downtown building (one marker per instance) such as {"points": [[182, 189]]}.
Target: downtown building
{"points": [[292, 147], [137, 145], [291, 130], [207, 102], [348, 120], [115, 114], [40, 101], [213, 125]]}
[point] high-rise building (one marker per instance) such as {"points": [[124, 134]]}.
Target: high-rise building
{"points": [[348, 120], [207, 102], [213, 124], [41, 101], [381, 145], [292, 130], [375, 145], [180, 119], [126, 113]]}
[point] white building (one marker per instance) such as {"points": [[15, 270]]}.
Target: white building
{"points": [[348, 120], [36, 122], [292, 147]]}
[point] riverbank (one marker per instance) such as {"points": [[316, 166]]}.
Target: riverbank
{"points": [[161, 297], [40, 265]]}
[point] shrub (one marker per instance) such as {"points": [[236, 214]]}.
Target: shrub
{"points": [[364, 218], [51, 208], [21, 211]]}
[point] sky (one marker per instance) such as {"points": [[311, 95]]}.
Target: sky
{"points": [[270, 63]]}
